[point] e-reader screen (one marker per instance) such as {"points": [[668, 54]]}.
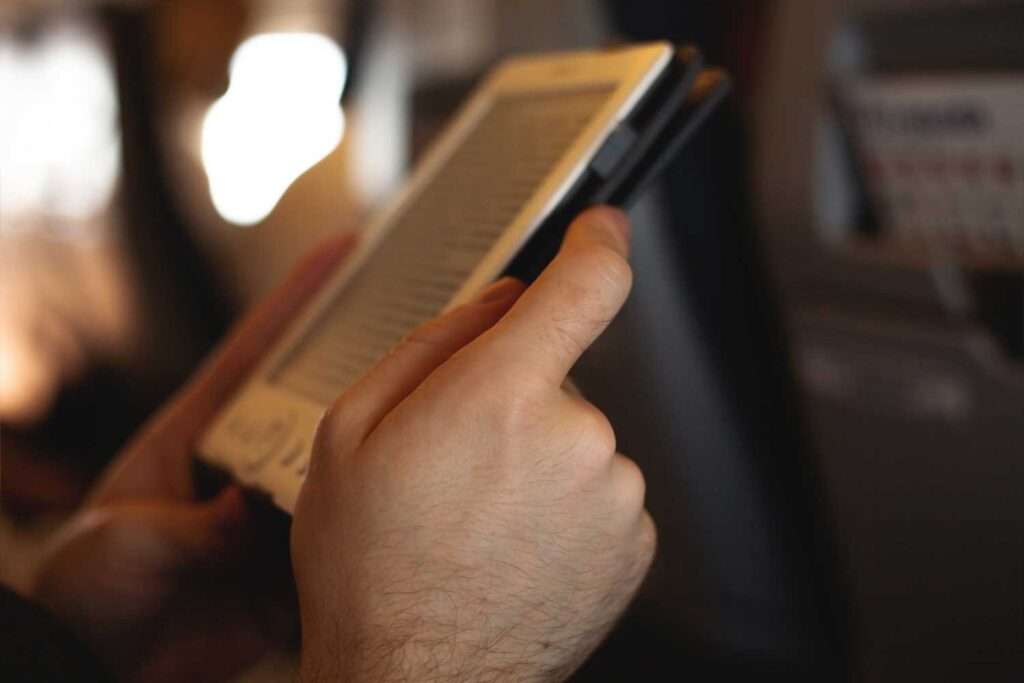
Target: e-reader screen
{"points": [[439, 237]]}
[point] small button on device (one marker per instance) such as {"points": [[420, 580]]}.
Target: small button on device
{"points": [[613, 150], [294, 453], [267, 439]]}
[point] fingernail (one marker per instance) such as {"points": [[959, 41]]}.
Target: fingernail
{"points": [[614, 225], [500, 290], [618, 220]]}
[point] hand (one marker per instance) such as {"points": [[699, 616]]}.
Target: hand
{"points": [[465, 518], [163, 586]]}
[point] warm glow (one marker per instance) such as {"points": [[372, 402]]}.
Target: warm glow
{"points": [[280, 116], [60, 150]]}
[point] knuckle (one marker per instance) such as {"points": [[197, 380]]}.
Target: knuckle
{"points": [[511, 413], [630, 484], [638, 554], [594, 435], [647, 542], [518, 412], [469, 374], [510, 410]]}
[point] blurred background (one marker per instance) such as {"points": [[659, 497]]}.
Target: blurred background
{"points": [[821, 368]]}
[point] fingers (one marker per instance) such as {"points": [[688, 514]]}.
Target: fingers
{"points": [[191, 535], [358, 411], [159, 536], [570, 304]]}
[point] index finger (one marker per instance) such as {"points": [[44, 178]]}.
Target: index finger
{"points": [[572, 302]]}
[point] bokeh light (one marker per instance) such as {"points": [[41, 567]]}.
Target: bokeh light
{"points": [[280, 115]]}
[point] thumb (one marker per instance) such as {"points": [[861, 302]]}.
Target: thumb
{"points": [[164, 536], [196, 535], [133, 548], [361, 408]]}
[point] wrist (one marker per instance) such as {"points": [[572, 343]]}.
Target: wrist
{"points": [[363, 663], [447, 661]]}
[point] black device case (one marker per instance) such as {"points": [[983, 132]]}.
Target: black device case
{"points": [[636, 152]]}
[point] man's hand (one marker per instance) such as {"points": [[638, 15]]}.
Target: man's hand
{"points": [[465, 518], [162, 586]]}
